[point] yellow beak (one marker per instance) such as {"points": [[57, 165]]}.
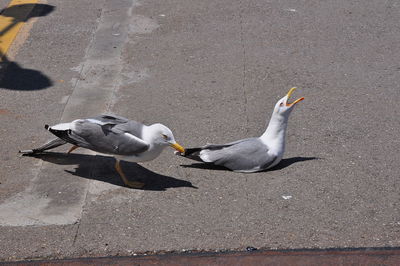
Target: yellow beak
{"points": [[177, 147], [288, 96]]}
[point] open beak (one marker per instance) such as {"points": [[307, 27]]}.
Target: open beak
{"points": [[177, 147], [288, 96]]}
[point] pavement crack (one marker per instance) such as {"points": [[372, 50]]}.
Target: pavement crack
{"points": [[244, 68], [76, 233], [92, 176]]}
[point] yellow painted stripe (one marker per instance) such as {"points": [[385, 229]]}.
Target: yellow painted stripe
{"points": [[11, 20]]}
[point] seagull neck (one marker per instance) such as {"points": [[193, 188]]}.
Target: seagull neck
{"points": [[149, 135], [275, 133]]}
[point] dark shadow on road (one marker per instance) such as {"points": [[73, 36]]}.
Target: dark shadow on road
{"points": [[15, 77], [205, 166], [101, 168], [283, 164], [12, 75], [24, 12], [289, 161]]}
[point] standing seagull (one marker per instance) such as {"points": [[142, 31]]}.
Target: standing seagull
{"points": [[252, 154], [124, 139]]}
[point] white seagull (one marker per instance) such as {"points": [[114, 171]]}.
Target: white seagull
{"points": [[114, 135], [251, 154]]}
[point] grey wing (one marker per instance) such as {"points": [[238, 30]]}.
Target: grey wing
{"points": [[109, 119], [194, 153], [117, 124], [220, 146], [132, 127], [123, 138], [248, 155]]}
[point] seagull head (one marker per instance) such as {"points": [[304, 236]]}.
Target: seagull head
{"points": [[284, 106], [163, 136]]}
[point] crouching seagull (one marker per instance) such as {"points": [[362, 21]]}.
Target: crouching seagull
{"points": [[113, 135]]}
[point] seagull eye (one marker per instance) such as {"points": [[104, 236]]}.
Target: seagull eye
{"points": [[164, 136], [281, 104]]}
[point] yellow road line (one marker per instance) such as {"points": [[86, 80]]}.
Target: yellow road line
{"points": [[11, 20]]}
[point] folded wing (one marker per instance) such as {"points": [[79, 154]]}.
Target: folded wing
{"points": [[246, 155], [106, 134]]}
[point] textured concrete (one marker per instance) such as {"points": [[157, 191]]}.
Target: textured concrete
{"points": [[211, 71]]}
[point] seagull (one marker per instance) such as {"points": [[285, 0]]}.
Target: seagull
{"points": [[252, 154], [114, 135]]}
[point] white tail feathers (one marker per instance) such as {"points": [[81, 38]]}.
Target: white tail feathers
{"points": [[62, 126]]}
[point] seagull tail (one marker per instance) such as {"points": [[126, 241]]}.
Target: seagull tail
{"points": [[62, 134], [192, 153], [49, 145]]}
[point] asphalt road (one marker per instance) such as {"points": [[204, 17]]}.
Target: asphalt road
{"points": [[212, 71]]}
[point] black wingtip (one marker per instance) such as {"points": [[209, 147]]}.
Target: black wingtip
{"points": [[46, 127], [64, 135], [191, 151], [26, 152]]}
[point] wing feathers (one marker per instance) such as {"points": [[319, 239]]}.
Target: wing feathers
{"points": [[64, 135], [247, 155], [49, 145], [105, 134]]}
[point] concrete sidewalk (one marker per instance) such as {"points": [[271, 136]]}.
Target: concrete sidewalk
{"points": [[212, 71]]}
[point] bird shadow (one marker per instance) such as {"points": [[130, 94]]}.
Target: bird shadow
{"points": [[281, 165], [101, 168], [12, 75], [289, 161]]}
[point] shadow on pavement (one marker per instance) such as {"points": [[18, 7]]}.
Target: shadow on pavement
{"points": [[101, 168], [15, 77], [289, 161], [283, 164], [12, 75], [24, 12]]}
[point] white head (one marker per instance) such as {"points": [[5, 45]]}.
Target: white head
{"points": [[283, 107], [162, 136], [275, 132]]}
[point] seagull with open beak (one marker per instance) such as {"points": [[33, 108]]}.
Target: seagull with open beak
{"points": [[251, 154]]}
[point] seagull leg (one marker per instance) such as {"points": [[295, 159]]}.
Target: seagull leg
{"points": [[72, 149], [132, 184]]}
